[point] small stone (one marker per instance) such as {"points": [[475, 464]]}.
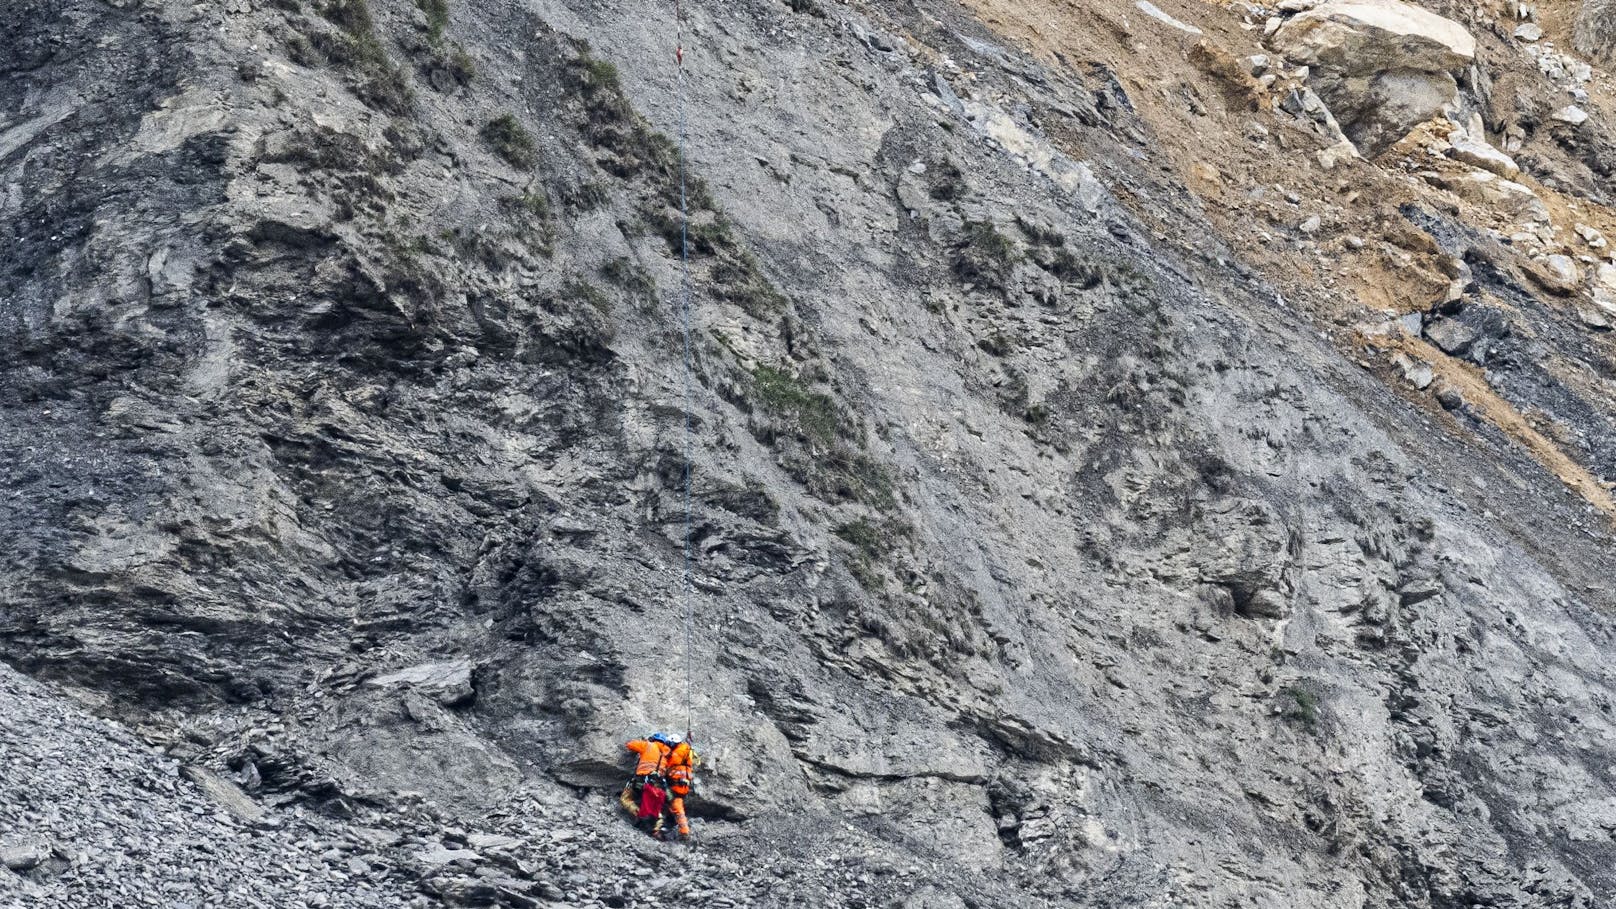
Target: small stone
{"points": [[1353, 242], [1451, 336], [1311, 225], [22, 857], [1528, 31], [1561, 273], [438, 855], [1571, 114], [1416, 372], [1415, 592], [1485, 157], [1338, 153], [1593, 318], [1591, 236]]}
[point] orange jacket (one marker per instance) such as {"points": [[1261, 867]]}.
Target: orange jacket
{"points": [[681, 756], [653, 756], [680, 770]]}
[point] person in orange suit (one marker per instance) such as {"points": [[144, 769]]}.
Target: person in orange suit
{"points": [[681, 775], [663, 777], [645, 795]]}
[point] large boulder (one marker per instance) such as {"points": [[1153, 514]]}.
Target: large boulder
{"points": [[1383, 67], [1368, 36]]}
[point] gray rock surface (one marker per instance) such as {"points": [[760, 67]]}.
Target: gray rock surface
{"points": [[1044, 554]]}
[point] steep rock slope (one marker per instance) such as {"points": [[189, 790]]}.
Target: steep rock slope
{"points": [[1053, 544]]}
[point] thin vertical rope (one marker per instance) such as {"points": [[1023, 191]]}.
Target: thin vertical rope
{"points": [[689, 440], [1298, 514]]}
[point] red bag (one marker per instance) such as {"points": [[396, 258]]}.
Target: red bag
{"points": [[652, 798]]}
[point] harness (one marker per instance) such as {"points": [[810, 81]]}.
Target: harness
{"points": [[655, 777], [679, 780]]}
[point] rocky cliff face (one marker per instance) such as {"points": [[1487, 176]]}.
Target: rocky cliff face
{"points": [[1144, 455]]}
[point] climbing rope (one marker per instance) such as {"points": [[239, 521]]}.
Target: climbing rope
{"points": [[1298, 542], [689, 439]]}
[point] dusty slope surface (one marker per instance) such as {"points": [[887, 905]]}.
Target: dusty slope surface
{"points": [[1055, 546], [93, 817]]}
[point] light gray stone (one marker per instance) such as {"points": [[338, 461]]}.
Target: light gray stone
{"points": [[448, 681]]}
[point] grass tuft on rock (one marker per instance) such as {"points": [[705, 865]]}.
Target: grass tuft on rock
{"points": [[1298, 705], [511, 141], [985, 256], [581, 291], [352, 16], [437, 17], [460, 66], [534, 202], [355, 46], [871, 544], [784, 395], [633, 280]]}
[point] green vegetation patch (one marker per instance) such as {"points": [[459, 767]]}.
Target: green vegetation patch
{"points": [[871, 543], [355, 46], [510, 140], [784, 395], [532, 215], [534, 202], [352, 16], [1298, 705], [633, 280], [459, 65], [437, 16], [740, 280], [581, 291], [629, 147], [985, 256]]}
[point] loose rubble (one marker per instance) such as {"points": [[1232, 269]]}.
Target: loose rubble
{"points": [[91, 817]]}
